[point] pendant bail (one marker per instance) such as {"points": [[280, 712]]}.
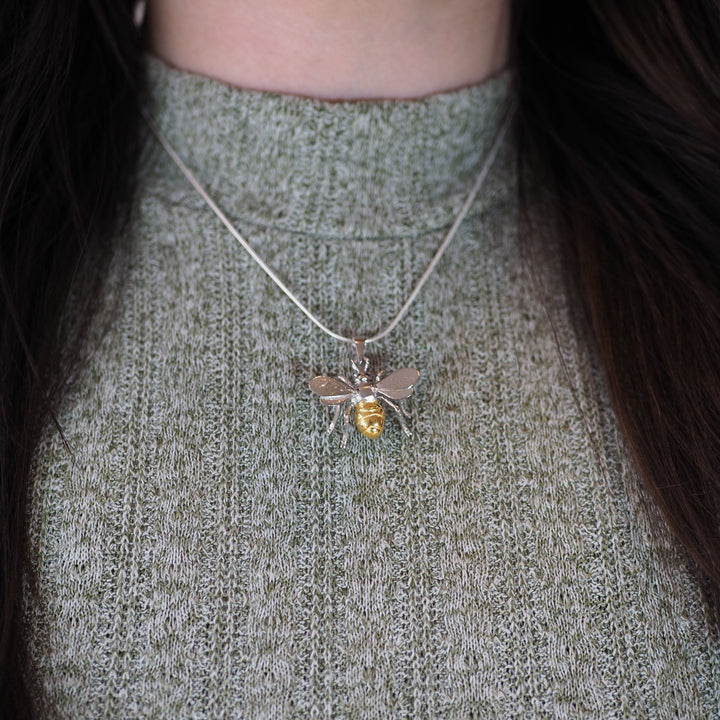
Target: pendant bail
{"points": [[360, 350]]}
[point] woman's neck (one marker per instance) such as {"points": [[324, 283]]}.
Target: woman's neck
{"points": [[334, 49]]}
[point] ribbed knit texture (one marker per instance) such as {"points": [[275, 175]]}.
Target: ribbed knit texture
{"points": [[208, 551]]}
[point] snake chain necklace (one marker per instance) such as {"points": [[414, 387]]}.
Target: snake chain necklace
{"points": [[362, 390]]}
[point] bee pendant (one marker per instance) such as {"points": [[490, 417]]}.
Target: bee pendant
{"points": [[364, 395]]}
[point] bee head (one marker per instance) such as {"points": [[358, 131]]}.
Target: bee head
{"points": [[361, 368]]}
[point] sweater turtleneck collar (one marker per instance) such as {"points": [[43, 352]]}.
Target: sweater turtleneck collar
{"points": [[343, 169]]}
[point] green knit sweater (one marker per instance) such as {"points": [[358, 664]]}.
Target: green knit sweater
{"points": [[206, 550]]}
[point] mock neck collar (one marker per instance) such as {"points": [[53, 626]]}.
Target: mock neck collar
{"points": [[342, 169]]}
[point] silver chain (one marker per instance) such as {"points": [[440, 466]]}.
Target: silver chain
{"points": [[290, 294]]}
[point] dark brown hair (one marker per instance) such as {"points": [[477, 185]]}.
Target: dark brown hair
{"points": [[619, 118], [68, 137]]}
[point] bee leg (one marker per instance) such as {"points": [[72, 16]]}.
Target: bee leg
{"points": [[399, 410], [346, 429], [338, 409]]}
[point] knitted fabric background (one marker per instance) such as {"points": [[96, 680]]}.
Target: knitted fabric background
{"points": [[208, 551]]}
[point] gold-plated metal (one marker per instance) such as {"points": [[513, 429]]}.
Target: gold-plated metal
{"points": [[370, 418], [367, 395]]}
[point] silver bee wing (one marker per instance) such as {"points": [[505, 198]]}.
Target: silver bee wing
{"points": [[332, 391], [398, 385]]}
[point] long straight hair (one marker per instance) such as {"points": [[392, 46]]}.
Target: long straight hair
{"points": [[619, 117], [69, 131], [620, 113]]}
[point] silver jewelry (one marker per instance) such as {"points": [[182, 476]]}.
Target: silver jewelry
{"points": [[358, 391]]}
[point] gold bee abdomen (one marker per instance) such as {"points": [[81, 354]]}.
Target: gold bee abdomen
{"points": [[370, 418]]}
